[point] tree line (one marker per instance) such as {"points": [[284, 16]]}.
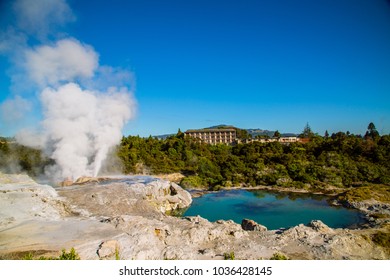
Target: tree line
{"points": [[340, 160]]}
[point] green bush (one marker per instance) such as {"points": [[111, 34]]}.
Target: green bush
{"points": [[28, 257], [278, 256], [72, 255], [229, 256], [192, 182]]}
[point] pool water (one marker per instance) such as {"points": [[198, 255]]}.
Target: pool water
{"points": [[273, 210]]}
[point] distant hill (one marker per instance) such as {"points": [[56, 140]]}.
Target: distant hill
{"points": [[220, 126], [164, 136], [260, 132]]}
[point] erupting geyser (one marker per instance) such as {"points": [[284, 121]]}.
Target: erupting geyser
{"points": [[84, 105], [81, 126]]}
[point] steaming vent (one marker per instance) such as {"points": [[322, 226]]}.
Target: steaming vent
{"points": [[83, 106]]}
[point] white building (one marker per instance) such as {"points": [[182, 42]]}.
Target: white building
{"points": [[214, 136]]}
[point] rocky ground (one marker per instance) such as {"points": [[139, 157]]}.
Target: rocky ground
{"points": [[116, 218]]}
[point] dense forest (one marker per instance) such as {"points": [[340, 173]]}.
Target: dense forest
{"points": [[340, 160]]}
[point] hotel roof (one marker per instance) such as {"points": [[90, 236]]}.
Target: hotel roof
{"points": [[211, 130]]}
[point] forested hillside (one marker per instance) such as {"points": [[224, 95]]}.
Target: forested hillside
{"points": [[339, 160]]}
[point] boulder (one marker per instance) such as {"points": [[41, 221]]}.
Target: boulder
{"points": [[319, 226], [251, 225], [108, 249], [185, 198], [167, 196]]}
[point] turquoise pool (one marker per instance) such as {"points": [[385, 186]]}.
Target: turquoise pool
{"points": [[273, 210]]}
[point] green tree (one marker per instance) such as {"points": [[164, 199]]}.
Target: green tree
{"points": [[243, 134], [307, 132], [179, 134], [372, 132], [326, 134]]}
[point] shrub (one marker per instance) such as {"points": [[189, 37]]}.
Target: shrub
{"points": [[72, 255], [192, 182], [28, 257], [117, 255], [278, 256], [229, 256], [215, 188]]}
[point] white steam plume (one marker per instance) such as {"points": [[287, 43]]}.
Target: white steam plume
{"points": [[14, 109], [84, 105], [67, 60], [81, 126], [41, 18]]}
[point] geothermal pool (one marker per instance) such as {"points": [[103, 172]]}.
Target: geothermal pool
{"points": [[273, 210]]}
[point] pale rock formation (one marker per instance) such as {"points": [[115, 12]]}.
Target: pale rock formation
{"points": [[119, 197], [119, 218], [23, 199]]}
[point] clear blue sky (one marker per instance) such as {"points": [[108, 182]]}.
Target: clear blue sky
{"points": [[269, 64]]}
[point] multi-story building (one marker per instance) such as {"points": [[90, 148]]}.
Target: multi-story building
{"points": [[214, 136], [229, 136]]}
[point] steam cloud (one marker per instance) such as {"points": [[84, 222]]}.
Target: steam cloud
{"points": [[67, 60], [81, 126], [83, 115]]}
